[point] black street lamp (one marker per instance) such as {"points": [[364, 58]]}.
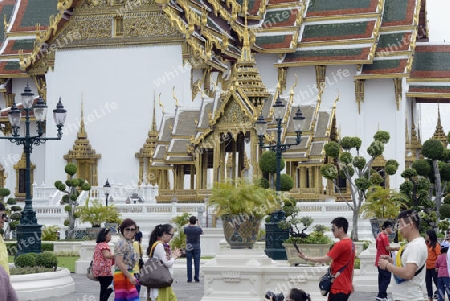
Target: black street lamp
{"points": [[275, 235], [279, 148], [29, 232], [106, 190]]}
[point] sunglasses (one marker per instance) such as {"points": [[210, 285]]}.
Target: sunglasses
{"points": [[4, 216], [130, 229], [171, 234]]}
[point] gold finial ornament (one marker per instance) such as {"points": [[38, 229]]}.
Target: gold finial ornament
{"points": [[160, 103], [177, 103]]}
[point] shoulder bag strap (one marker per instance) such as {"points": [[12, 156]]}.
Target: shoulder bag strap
{"points": [[153, 248], [345, 266]]}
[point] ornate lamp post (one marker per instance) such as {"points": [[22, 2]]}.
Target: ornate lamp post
{"points": [[279, 148], [107, 189], [29, 232], [274, 235]]}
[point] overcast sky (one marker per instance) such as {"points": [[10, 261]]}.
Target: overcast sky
{"points": [[438, 15]]}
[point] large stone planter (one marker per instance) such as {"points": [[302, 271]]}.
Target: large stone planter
{"points": [[312, 250], [377, 223], [43, 285], [241, 231]]}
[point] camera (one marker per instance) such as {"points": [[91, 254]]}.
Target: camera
{"points": [[275, 297]]}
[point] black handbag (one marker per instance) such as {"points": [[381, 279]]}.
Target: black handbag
{"points": [[326, 280], [90, 272], [155, 274]]}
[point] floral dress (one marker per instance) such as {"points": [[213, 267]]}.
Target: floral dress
{"points": [[101, 265]]}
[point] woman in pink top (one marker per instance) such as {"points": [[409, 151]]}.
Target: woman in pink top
{"points": [[103, 260], [443, 279]]}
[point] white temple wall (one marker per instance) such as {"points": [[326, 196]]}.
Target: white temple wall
{"points": [[118, 88]]}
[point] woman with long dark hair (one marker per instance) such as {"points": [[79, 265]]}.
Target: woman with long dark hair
{"points": [[124, 279], [103, 260], [434, 249], [159, 248]]}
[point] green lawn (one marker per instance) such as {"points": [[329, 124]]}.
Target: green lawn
{"points": [[63, 262]]}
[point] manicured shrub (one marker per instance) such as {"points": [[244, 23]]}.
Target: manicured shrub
{"points": [[47, 260], [25, 260], [45, 246]]}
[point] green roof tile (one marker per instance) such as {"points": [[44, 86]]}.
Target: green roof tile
{"points": [[12, 65], [38, 11], [270, 40], [324, 53], [381, 65], [395, 10], [391, 40], [334, 30], [326, 5], [7, 10], [431, 61], [23, 44]]}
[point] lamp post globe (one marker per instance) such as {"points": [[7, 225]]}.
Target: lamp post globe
{"points": [[106, 190]]}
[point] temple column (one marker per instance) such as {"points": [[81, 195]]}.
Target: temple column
{"points": [[192, 178], [233, 156], [204, 167], [216, 156], [302, 177], [223, 164]]}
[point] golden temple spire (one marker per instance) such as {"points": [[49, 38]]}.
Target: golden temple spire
{"points": [[439, 133], [246, 54], [82, 131], [154, 113]]}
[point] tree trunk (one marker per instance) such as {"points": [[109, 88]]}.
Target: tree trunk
{"points": [[438, 187]]}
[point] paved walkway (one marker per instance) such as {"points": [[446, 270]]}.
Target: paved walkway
{"points": [[87, 290]]}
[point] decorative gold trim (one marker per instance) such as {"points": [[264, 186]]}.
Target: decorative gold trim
{"points": [[21, 164], [398, 91], [359, 93], [321, 71], [282, 79], [428, 80], [427, 95]]}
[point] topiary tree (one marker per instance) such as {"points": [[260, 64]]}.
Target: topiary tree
{"points": [[268, 166], [434, 150], [356, 169], [287, 182], [71, 188], [47, 260], [15, 214]]}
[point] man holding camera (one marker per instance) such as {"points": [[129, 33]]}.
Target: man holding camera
{"points": [[383, 248], [343, 256], [193, 232]]}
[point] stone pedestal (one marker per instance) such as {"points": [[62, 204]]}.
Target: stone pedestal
{"points": [[367, 279], [247, 274]]}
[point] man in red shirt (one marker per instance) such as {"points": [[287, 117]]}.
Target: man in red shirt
{"points": [[343, 255], [383, 248]]}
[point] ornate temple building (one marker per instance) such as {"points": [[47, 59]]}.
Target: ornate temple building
{"points": [[167, 93]]}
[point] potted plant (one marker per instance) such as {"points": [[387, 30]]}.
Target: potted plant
{"points": [[383, 204], [315, 243], [95, 213], [241, 204]]}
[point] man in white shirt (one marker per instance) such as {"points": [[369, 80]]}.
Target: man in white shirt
{"points": [[410, 273]]}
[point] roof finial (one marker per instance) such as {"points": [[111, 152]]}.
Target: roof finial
{"points": [[177, 103], [82, 130], [246, 54], [154, 112]]}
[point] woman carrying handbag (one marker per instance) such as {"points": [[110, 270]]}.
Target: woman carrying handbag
{"points": [[159, 248]]}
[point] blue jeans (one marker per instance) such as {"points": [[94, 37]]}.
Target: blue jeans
{"points": [[195, 253], [384, 278], [443, 286]]}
